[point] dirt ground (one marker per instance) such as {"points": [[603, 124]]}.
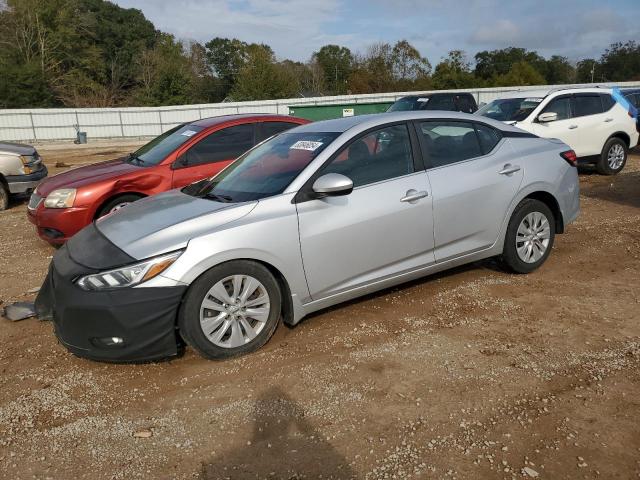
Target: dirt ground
{"points": [[474, 373]]}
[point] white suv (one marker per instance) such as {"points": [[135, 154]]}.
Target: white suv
{"points": [[599, 129]]}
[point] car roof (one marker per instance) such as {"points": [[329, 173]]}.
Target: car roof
{"points": [[541, 93], [213, 121], [363, 122]]}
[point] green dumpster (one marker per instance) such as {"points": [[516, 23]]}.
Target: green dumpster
{"points": [[325, 112]]}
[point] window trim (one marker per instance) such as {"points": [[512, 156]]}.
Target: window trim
{"points": [[423, 148], [306, 194], [181, 160]]}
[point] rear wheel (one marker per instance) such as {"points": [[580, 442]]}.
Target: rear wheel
{"points": [[613, 157], [529, 237], [231, 310], [4, 197], [116, 204]]}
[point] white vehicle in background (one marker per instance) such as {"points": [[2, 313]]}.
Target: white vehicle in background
{"points": [[596, 126]]}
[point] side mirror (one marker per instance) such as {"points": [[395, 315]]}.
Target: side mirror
{"points": [[332, 185], [547, 117]]}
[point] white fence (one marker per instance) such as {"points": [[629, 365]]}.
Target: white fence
{"points": [[60, 123]]}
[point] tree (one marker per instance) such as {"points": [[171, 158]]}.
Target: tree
{"points": [[454, 71], [499, 62], [262, 78], [408, 64], [620, 62], [586, 70], [521, 73], [336, 63], [560, 71]]}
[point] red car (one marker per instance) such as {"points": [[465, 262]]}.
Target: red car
{"points": [[63, 204]]}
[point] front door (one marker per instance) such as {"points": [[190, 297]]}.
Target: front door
{"points": [[383, 228], [211, 154]]}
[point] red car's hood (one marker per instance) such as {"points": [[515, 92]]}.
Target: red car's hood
{"points": [[81, 176]]}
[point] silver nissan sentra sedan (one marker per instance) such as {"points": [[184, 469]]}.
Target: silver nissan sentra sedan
{"points": [[323, 213]]}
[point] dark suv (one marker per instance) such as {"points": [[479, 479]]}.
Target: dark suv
{"points": [[453, 102]]}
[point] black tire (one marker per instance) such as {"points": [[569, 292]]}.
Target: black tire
{"points": [[510, 258], [603, 166], [189, 314], [114, 202], [4, 196]]}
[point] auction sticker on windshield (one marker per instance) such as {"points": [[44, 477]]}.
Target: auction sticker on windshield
{"points": [[305, 145]]}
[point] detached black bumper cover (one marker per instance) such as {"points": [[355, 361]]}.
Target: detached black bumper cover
{"points": [[87, 322]]}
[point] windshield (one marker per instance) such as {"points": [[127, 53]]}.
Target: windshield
{"points": [[266, 170], [157, 149], [510, 109], [406, 104]]}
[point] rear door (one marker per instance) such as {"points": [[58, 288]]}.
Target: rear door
{"points": [[214, 152], [593, 125], [382, 228], [474, 177]]}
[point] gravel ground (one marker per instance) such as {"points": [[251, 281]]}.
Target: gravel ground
{"points": [[474, 373]]}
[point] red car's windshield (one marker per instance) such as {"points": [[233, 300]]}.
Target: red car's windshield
{"points": [[157, 149], [266, 170]]}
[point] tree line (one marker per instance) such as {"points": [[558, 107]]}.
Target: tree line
{"points": [[93, 53]]}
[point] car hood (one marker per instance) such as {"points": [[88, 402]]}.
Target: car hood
{"points": [[81, 176], [165, 222], [16, 149]]}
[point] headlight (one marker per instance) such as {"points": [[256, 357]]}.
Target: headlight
{"points": [[62, 198], [130, 275]]}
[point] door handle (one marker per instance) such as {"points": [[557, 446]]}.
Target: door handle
{"points": [[508, 169], [609, 120], [573, 127], [413, 196]]}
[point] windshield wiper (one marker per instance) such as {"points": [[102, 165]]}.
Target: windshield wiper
{"points": [[219, 198]]}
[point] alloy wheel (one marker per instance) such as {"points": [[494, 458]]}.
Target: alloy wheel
{"points": [[615, 157], [234, 311], [532, 237]]}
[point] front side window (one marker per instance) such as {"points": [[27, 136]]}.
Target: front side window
{"points": [[266, 170], [560, 106], [269, 129], [449, 142], [510, 109], [379, 155], [584, 105], [226, 144], [157, 149]]}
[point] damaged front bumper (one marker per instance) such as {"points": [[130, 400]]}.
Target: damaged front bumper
{"points": [[120, 325]]}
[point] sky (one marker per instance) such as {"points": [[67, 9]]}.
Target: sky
{"points": [[576, 29]]}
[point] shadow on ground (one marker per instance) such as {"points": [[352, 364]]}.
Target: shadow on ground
{"points": [[283, 446], [623, 189]]}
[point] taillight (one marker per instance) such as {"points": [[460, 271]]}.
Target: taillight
{"points": [[571, 157]]}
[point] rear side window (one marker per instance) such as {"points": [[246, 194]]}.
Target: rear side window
{"points": [[584, 105], [561, 106], [449, 142], [441, 102], [269, 129], [489, 137], [466, 103], [607, 101], [226, 144]]}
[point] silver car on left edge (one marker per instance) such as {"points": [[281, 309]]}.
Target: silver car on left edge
{"points": [[315, 216]]}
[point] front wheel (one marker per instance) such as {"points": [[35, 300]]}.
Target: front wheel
{"points": [[613, 157], [116, 204], [4, 197], [230, 310], [529, 237]]}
